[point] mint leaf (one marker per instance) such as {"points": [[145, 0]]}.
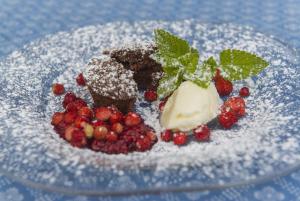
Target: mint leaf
{"points": [[190, 61], [170, 45], [211, 65], [202, 76], [174, 52], [168, 84], [239, 65]]}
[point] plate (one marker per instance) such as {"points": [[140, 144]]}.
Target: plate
{"points": [[264, 144]]}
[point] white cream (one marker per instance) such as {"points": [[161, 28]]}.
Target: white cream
{"points": [[190, 106]]}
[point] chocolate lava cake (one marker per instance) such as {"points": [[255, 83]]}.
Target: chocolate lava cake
{"points": [[114, 79]]}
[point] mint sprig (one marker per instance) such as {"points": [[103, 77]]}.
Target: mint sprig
{"points": [[239, 65], [180, 62]]}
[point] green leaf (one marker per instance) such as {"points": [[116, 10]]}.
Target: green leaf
{"points": [[190, 61], [239, 65], [168, 84], [211, 65], [170, 45], [202, 76]]}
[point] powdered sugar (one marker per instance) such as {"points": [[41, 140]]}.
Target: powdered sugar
{"points": [[264, 141], [109, 78]]}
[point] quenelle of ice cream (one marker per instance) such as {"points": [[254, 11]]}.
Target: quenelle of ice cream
{"points": [[190, 106]]}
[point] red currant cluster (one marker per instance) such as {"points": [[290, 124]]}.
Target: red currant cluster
{"points": [[234, 107], [104, 129], [201, 134]]}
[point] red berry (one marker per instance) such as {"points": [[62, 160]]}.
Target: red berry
{"points": [[115, 117], [80, 121], [99, 123], [161, 105], [79, 103], [179, 138], [150, 95], [236, 105], [85, 112], [61, 128], [71, 107], [57, 118], [111, 136], [166, 135], [58, 89], [143, 143], [103, 113], [244, 92], [76, 105], [80, 80], [224, 87], [78, 139], [152, 136], [202, 133], [70, 117], [117, 127], [100, 133], [69, 132], [132, 119], [69, 97], [227, 119], [217, 75], [113, 108]]}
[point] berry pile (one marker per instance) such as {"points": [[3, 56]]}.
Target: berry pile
{"points": [[104, 129]]}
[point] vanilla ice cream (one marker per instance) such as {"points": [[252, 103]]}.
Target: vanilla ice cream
{"points": [[190, 106]]}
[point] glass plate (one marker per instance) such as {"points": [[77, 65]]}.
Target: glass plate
{"points": [[262, 145]]}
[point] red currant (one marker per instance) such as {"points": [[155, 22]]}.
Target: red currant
{"points": [[132, 119], [227, 119], [58, 89], [166, 135], [80, 80], [224, 87], [150, 95], [244, 92], [179, 138], [202, 133]]}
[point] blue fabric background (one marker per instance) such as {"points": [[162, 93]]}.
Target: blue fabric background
{"points": [[24, 21]]}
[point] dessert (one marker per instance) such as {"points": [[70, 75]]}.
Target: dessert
{"points": [[111, 84], [190, 92]]}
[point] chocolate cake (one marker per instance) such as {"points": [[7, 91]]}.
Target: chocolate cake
{"points": [[147, 71], [111, 84], [115, 78]]}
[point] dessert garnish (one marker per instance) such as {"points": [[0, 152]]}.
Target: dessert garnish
{"points": [[193, 100], [58, 89], [180, 62], [103, 129]]}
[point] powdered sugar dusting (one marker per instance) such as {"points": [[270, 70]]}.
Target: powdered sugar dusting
{"points": [[264, 141], [109, 78]]}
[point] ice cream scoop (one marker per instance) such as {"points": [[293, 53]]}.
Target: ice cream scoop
{"points": [[190, 106]]}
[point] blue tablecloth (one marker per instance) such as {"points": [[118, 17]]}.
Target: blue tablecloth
{"points": [[24, 21]]}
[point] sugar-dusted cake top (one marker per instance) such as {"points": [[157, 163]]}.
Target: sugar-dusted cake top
{"points": [[136, 56], [106, 77]]}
